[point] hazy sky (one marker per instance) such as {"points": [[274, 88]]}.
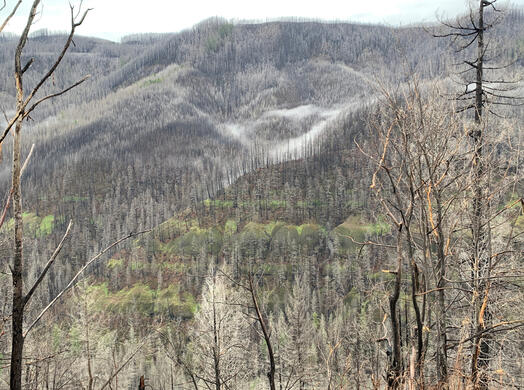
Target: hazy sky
{"points": [[112, 19]]}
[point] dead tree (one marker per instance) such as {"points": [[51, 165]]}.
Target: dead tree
{"points": [[25, 105], [417, 146], [482, 93], [264, 327], [251, 287]]}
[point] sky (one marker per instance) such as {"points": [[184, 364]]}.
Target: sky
{"points": [[112, 19]]}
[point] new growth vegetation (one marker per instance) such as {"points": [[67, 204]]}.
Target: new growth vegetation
{"points": [[287, 205]]}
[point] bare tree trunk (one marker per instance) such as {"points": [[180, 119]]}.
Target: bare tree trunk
{"points": [[266, 333], [480, 263], [216, 348], [395, 371], [17, 343], [22, 111], [418, 317], [441, 353]]}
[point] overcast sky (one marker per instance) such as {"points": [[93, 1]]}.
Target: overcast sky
{"points": [[112, 19]]}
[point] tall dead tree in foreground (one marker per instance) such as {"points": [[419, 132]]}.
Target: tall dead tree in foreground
{"points": [[481, 94], [24, 106]]}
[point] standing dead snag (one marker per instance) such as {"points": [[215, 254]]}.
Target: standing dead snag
{"points": [[260, 318], [418, 146], [24, 106], [482, 93], [265, 331]]}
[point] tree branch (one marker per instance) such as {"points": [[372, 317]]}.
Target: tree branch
{"points": [[19, 71], [124, 364], [8, 202], [73, 280], [48, 265], [10, 15], [54, 95]]}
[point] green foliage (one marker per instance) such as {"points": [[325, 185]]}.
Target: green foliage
{"points": [[212, 44], [170, 228], [380, 227], [196, 239], [46, 226], [352, 297], [174, 267], [113, 263], [141, 299], [254, 240], [316, 320], [276, 203], [230, 227], [75, 338], [273, 226], [57, 337], [381, 276], [309, 235], [217, 39], [137, 265], [285, 235], [34, 226], [519, 224], [354, 228]]}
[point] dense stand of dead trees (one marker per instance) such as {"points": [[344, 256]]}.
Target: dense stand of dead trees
{"points": [[430, 173], [438, 177]]}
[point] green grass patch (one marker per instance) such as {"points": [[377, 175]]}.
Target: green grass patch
{"points": [[230, 227], [46, 226], [114, 263], [357, 229], [34, 226], [142, 299], [275, 203]]}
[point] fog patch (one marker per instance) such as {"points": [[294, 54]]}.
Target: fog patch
{"points": [[295, 146], [295, 113], [236, 131]]}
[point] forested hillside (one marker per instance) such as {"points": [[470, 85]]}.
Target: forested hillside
{"points": [[278, 204]]}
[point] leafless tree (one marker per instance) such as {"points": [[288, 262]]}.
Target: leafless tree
{"points": [[25, 105], [486, 88]]}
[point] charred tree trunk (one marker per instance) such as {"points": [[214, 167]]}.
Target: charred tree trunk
{"points": [[266, 333], [394, 374], [480, 261]]}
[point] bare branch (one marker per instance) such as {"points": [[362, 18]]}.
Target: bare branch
{"points": [[19, 71], [29, 63], [8, 202], [48, 265], [26, 162], [54, 95], [108, 382], [74, 25], [10, 15], [74, 279]]}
